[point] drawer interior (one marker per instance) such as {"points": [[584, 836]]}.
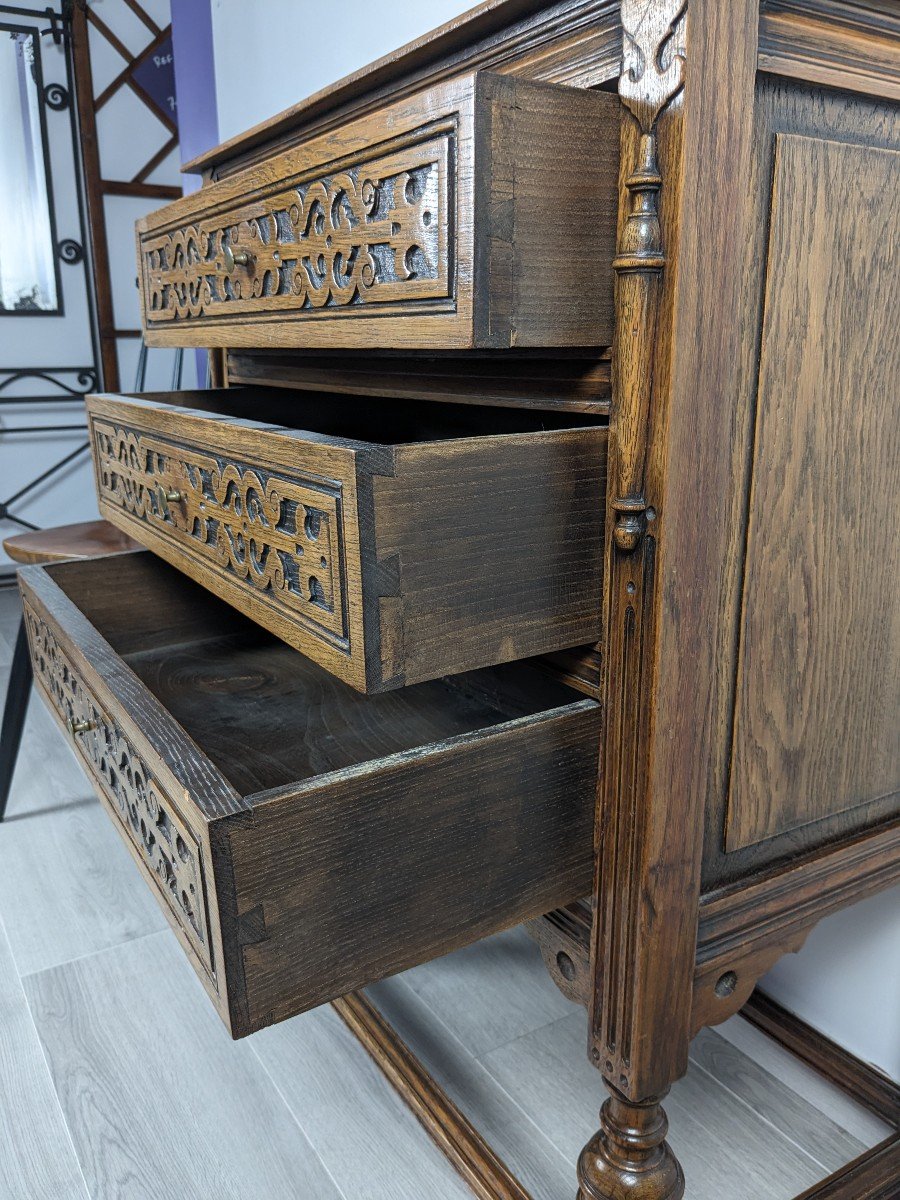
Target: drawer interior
{"points": [[264, 714], [384, 420]]}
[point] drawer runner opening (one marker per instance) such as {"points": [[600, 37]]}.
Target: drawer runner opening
{"points": [[367, 420]]}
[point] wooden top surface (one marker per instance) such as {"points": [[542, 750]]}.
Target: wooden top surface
{"points": [[477, 22], [784, 36], [86, 539]]}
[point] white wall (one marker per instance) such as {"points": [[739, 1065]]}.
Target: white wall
{"points": [[846, 981], [292, 48], [128, 135]]}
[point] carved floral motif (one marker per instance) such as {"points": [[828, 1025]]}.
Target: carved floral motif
{"points": [[167, 847], [280, 536], [372, 233]]}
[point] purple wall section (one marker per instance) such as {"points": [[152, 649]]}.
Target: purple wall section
{"points": [[195, 80], [195, 88]]}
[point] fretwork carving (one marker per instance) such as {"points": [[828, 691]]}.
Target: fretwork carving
{"points": [[148, 818], [372, 233], [280, 536]]}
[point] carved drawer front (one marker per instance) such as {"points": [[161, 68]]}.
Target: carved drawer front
{"points": [[478, 213], [443, 547], [129, 781], [304, 839]]}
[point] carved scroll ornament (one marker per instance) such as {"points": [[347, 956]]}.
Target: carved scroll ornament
{"points": [[372, 233], [280, 536]]}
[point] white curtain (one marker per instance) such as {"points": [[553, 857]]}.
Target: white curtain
{"points": [[27, 275]]}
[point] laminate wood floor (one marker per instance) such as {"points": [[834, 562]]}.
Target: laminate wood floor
{"points": [[117, 1080]]}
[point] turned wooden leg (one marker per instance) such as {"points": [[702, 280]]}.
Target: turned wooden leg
{"points": [[629, 1158]]}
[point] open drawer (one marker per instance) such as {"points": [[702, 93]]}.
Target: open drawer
{"points": [[479, 212], [391, 541], [304, 840]]}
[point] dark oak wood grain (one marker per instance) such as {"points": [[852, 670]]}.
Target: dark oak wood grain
{"points": [[487, 1176], [392, 544], [745, 637], [353, 837], [818, 676], [443, 221], [573, 384], [575, 41], [784, 109], [838, 43], [745, 927], [868, 1087], [684, 141]]}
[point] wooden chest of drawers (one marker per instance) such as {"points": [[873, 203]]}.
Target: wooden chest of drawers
{"points": [[448, 541], [432, 284]]}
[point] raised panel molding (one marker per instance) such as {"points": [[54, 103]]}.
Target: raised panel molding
{"points": [[833, 42], [818, 685], [746, 927]]}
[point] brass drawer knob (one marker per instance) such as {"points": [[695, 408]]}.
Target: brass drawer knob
{"points": [[234, 258], [80, 726], [166, 496]]}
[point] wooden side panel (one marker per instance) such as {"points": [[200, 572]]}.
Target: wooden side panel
{"points": [[818, 686], [491, 551], [375, 870], [546, 170]]}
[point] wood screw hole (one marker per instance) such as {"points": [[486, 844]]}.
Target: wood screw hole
{"points": [[566, 966], [726, 985]]}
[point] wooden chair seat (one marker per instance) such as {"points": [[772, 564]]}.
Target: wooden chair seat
{"points": [[85, 539]]}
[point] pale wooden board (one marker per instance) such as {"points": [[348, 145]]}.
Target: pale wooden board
{"points": [[789, 1112], [724, 1147], [784, 1067], [473, 996], [39, 1161], [520, 1142], [159, 1101], [68, 886], [368, 1139]]}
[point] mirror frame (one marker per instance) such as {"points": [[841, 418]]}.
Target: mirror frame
{"points": [[12, 27]]}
